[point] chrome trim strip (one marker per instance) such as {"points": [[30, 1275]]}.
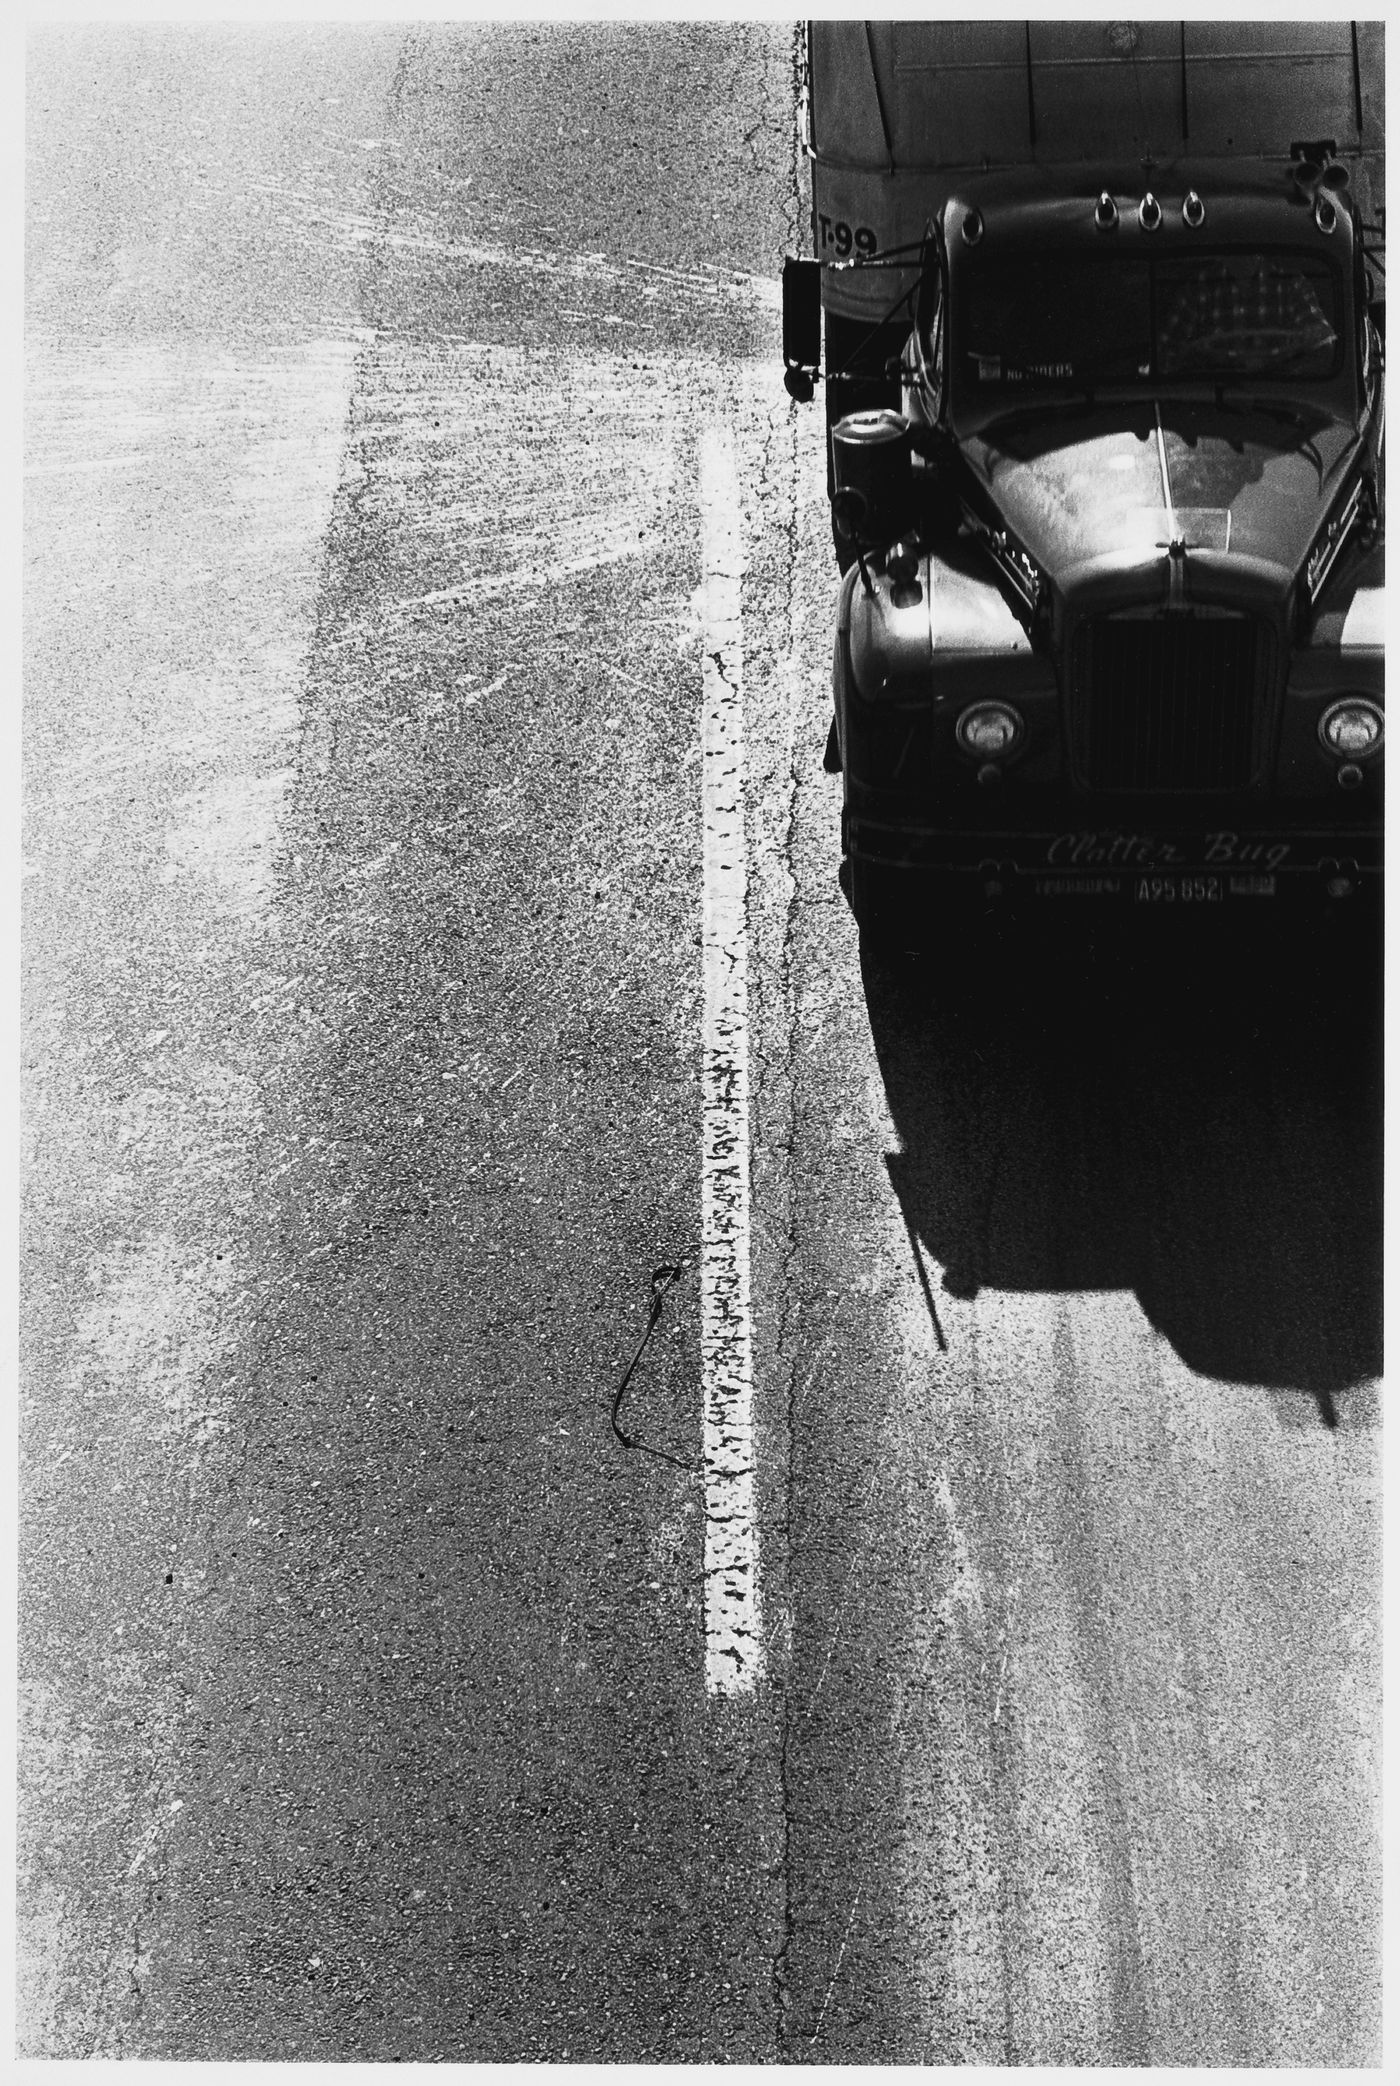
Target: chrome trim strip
{"points": [[1176, 542], [1015, 566], [1328, 548]]}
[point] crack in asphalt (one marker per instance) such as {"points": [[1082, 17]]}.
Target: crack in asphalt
{"points": [[785, 1143]]}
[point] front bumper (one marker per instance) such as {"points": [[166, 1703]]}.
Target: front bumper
{"points": [[1147, 861]]}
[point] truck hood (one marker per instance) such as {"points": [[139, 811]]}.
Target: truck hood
{"points": [[1096, 496]]}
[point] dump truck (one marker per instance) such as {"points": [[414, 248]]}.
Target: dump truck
{"points": [[1099, 310]]}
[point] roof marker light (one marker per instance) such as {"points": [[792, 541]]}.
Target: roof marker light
{"points": [[1105, 212], [1149, 213], [1325, 213], [1193, 210]]}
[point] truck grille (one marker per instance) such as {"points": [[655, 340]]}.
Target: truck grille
{"points": [[1176, 704]]}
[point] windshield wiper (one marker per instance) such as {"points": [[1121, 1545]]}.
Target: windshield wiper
{"points": [[1274, 409], [1267, 408], [1048, 404]]}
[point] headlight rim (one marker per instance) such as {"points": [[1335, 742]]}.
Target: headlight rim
{"points": [[984, 706], [1351, 753]]}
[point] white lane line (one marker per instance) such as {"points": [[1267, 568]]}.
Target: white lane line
{"points": [[733, 1646]]}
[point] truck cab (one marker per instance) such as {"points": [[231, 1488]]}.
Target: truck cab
{"points": [[1111, 626]]}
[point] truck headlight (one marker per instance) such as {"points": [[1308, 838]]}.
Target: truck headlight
{"points": [[989, 730], [1352, 729]]}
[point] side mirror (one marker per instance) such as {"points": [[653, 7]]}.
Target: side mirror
{"points": [[802, 326]]}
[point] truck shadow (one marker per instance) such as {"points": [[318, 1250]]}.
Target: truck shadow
{"points": [[1191, 1111]]}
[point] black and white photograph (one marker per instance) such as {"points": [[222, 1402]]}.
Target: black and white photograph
{"points": [[701, 986]]}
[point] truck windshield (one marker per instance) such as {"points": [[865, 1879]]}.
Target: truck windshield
{"points": [[1050, 319]]}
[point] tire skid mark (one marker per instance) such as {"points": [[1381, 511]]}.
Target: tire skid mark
{"points": [[306, 215], [579, 478]]}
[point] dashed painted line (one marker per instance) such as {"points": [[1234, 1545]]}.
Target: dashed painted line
{"points": [[733, 1645]]}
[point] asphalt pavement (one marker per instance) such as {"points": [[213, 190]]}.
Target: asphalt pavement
{"points": [[366, 1706]]}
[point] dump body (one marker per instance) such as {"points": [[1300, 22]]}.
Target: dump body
{"points": [[1112, 623]]}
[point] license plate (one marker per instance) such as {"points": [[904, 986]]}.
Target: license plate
{"points": [[1178, 890]]}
